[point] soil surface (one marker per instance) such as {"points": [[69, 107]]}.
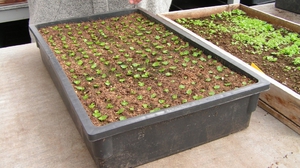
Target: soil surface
{"points": [[127, 66], [264, 46]]}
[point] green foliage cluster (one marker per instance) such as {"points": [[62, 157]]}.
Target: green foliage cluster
{"points": [[248, 31]]}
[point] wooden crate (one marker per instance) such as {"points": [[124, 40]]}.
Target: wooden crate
{"points": [[280, 101]]}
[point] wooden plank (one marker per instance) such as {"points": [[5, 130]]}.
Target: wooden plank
{"points": [[281, 117]]}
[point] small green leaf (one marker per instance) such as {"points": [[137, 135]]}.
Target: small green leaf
{"points": [[153, 95], [217, 87], [211, 93], [89, 78], [197, 97], [124, 66], [102, 118], [156, 64], [165, 62], [109, 106], [122, 80], [136, 76], [219, 68], [155, 110], [124, 103], [85, 97], [94, 65], [207, 79], [189, 92], [121, 118], [174, 96], [145, 106], [120, 111], [80, 62], [107, 83], [141, 84], [80, 88], [168, 74], [135, 65], [77, 82], [139, 97], [92, 105], [96, 114]]}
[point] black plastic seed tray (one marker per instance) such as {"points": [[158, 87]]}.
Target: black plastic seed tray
{"points": [[152, 136]]}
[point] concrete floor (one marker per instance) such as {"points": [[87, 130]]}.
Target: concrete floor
{"points": [[37, 131]]}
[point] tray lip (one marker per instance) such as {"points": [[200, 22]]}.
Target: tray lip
{"points": [[235, 6], [95, 133]]}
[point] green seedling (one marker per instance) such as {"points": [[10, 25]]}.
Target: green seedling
{"points": [[120, 111], [145, 106], [161, 101], [80, 88], [207, 79], [80, 62], [189, 92], [270, 58], [197, 97], [90, 78], [85, 97], [140, 97], [107, 83], [141, 84], [153, 95], [124, 103], [137, 76], [168, 74], [296, 61], [219, 68], [109, 106], [93, 66], [121, 118], [92, 105], [96, 114], [156, 64], [217, 87], [155, 110], [76, 82], [166, 90], [103, 118], [211, 93]]}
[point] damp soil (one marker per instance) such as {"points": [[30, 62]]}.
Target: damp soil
{"points": [[222, 31], [126, 66]]}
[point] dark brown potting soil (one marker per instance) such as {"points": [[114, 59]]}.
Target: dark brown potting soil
{"points": [[127, 66]]}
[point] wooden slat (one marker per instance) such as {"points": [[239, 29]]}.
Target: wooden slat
{"points": [[279, 116]]}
